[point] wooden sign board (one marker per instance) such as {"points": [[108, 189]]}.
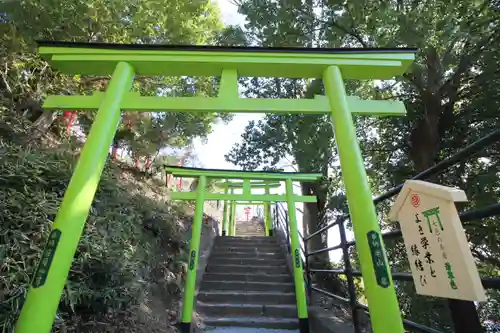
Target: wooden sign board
{"points": [[441, 262]]}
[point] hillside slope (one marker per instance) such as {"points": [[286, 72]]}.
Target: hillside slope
{"points": [[127, 274]]}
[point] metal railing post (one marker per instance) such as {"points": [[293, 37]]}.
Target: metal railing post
{"points": [[287, 229], [308, 273], [350, 279]]}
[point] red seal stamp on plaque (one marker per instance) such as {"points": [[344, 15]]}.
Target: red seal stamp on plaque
{"points": [[415, 200]]}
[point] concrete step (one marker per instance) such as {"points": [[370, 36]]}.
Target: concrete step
{"points": [[235, 243], [244, 242], [247, 310], [254, 322], [251, 297], [250, 229], [253, 234], [216, 250], [255, 255], [228, 329], [247, 269], [252, 277], [237, 237], [246, 247], [223, 249], [242, 238], [247, 286], [246, 261]]}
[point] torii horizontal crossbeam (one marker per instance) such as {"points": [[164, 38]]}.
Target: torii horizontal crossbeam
{"points": [[253, 184], [135, 102], [242, 197], [172, 60], [239, 174]]}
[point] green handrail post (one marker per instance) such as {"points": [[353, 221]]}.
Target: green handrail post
{"points": [[194, 247], [298, 272], [383, 305], [42, 301]]}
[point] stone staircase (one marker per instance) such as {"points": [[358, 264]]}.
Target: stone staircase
{"points": [[247, 285], [253, 227]]}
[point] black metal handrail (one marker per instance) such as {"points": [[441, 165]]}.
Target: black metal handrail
{"points": [[476, 214], [281, 216]]}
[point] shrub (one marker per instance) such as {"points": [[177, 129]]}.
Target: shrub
{"points": [[131, 243]]}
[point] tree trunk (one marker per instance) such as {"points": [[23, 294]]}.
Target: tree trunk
{"points": [[311, 223], [40, 127]]}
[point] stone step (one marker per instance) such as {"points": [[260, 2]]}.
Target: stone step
{"points": [[252, 229], [247, 286], [246, 247], [247, 269], [253, 322], [216, 251], [258, 244], [257, 234], [251, 297], [245, 242], [262, 255], [252, 277], [251, 239], [246, 261], [247, 310]]}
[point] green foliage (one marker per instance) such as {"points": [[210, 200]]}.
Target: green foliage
{"points": [[130, 241], [26, 79]]}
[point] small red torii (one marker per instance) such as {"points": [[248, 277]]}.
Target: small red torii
{"points": [[69, 116]]}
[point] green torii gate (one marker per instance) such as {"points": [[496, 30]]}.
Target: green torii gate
{"points": [[123, 62], [229, 187], [200, 195]]}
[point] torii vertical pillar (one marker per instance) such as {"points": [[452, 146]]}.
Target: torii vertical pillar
{"points": [[194, 249], [298, 271], [267, 214], [233, 218], [224, 214], [382, 301], [40, 306]]}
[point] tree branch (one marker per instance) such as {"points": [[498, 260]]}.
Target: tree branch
{"points": [[450, 87], [487, 259]]}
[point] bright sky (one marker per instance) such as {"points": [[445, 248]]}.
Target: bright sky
{"points": [[229, 12], [219, 142]]}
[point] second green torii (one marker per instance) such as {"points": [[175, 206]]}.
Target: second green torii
{"points": [[246, 186]]}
